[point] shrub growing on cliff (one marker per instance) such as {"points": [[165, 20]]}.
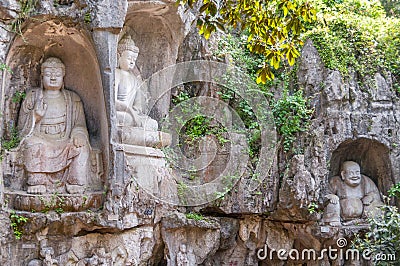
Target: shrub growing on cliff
{"points": [[292, 115], [357, 34], [383, 237], [274, 26], [17, 221]]}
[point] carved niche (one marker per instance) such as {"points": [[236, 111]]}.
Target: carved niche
{"points": [[55, 120]]}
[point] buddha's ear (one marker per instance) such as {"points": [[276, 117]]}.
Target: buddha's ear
{"points": [[342, 174]]}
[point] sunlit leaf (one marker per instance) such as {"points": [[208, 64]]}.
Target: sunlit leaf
{"points": [[269, 24]]}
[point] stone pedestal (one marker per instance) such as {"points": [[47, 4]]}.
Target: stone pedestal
{"points": [[140, 137], [149, 168], [54, 202]]}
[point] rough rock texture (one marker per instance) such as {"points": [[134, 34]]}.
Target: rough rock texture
{"points": [[355, 119]]}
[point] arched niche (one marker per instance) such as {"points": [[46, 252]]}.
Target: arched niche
{"points": [[372, 156], [45, 37], [158, 30]]}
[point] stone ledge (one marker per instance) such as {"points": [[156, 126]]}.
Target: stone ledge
{"points": [[141, 150], [23, 201], [140, 137]]}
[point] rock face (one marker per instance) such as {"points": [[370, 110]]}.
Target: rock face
{"points": [[135, 218]]}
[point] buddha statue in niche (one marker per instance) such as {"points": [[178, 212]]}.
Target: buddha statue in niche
{"points": [[55, 145], [130, 101], [352, 198]]}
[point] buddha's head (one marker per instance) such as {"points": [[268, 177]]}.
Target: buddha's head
{"points": [[53, 72], [182, 248], [350, 173], [127, 53]]}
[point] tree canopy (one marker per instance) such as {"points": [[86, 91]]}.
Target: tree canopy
{"points": [[274, 26]]}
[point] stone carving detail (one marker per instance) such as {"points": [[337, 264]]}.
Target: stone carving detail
{"points": [[47, 253], [100, 257], [353, 197], [55, 155], [130, 101], [182, 258], [136, 127], [55, 146]]}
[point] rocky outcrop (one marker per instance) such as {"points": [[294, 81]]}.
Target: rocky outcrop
{"points": [[355, 118]]}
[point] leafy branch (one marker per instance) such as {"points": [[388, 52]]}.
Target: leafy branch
{"points": [[274, 26]]}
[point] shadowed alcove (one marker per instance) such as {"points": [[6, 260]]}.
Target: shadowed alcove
{"points": [[371, 155], [157, 30], [45, 37]]}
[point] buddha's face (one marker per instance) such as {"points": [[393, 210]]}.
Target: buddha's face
{"points": [[183, 248], [351, 174], [127, 60], [52, 78]]}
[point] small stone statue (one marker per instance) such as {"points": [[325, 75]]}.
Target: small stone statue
{"points": [[182, 256], [130, 101], [55, 143], [48, 253], [185, 257], [353, 197]]}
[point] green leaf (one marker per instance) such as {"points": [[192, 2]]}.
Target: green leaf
{"points": [[204, 7]]}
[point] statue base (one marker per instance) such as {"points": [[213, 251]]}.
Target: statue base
{"points": [[151, 172], [142, 137], [54, 202]]}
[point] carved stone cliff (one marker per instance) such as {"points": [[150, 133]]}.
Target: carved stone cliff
{"points": [[132, 215]]}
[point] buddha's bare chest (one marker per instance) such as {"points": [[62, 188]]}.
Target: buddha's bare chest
{"points": [[54, 120]]}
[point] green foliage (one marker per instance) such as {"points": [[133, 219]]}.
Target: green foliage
{"points": [[357, 34], [88, 17], [274, 27], [291, 112], [197, 127], [394, 191], [5, 67], [182, 190], [392, 7], [12, 142], [17, 221], [18, 96], [234, 47], [292, 115], [56, 203], [180, 98], [313, 208], [26, 8], [201, 126], [194, 216], [383, 236]]}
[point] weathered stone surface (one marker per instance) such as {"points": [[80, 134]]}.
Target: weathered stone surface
{"points": [[109, 14], [158, 28], [54, 146], [355, 119], [61, 202], [8, 10], [298, 190], [200, 237]]}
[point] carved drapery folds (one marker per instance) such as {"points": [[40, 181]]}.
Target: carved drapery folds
{"points": [[58, 118], [360, 170]]}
